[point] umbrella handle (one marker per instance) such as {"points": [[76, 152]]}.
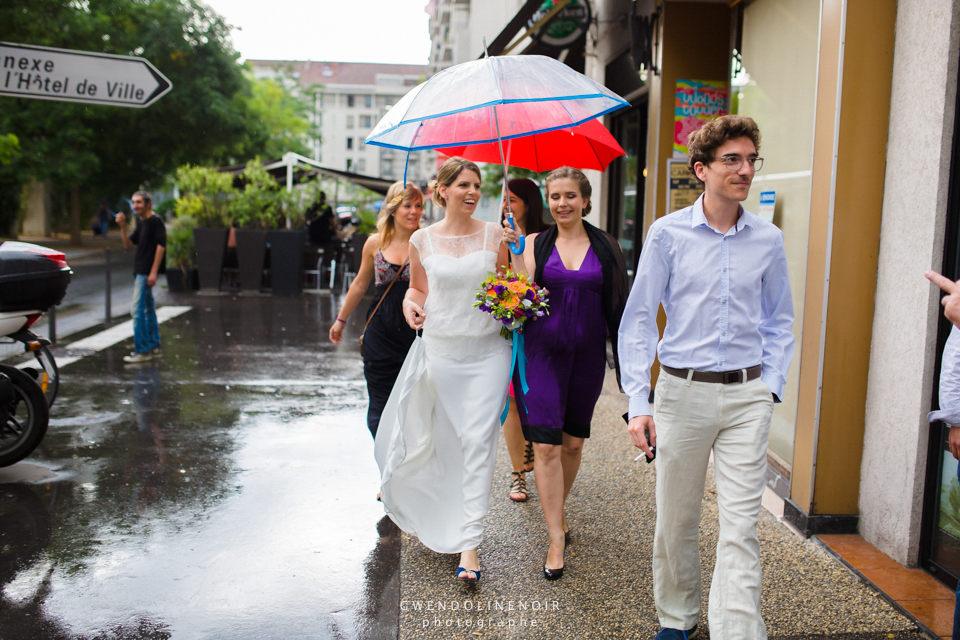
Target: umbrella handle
{"points": [[518, 246]]}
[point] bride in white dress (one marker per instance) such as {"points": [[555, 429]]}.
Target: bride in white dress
{"points": [[437, 441]]}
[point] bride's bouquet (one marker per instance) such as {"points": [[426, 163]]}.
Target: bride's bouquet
{"points": [[512, 300]]}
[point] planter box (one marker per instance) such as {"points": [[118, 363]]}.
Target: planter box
{"points": [[251, 255], [182, 280], [211, 243], [286, 262]]}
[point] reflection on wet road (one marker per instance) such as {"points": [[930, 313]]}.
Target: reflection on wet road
{"points": [[225, 492]]}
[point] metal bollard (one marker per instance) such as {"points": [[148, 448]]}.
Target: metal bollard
{"points": [[108, 316], [52, 325]]}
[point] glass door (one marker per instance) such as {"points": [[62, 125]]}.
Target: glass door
{"points": [[940, 528], [627, 182]]}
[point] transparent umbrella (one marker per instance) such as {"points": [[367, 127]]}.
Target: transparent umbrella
{"points": [[491, 100]]}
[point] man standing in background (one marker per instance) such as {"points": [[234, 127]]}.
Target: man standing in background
{"points": [[150, 236]]}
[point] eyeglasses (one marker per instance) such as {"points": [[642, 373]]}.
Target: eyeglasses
{"points": [[734, 162]]}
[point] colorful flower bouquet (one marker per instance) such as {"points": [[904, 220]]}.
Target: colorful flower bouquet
{"points": [[512, 299]]}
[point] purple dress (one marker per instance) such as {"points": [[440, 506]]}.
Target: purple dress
{"points": [[566, 354]]}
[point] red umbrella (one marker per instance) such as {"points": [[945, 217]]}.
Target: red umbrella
{"points": [[586, 146]]}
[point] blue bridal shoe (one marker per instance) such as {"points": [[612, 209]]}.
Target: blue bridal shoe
{"points": [[677, 634], [466, 573]]}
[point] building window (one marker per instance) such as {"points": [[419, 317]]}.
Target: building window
{"points": [[366, 122], [350, 100], [386, 167], [349, 164], [368, 101], [349, 143], [361, 165], [349, 122], [447, 57]]}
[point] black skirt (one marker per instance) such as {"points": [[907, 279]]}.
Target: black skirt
{"points": [[385, 346]]}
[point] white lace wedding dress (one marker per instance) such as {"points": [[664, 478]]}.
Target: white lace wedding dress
{"points": [[437, 441]]}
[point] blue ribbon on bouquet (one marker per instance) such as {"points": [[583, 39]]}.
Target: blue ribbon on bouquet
{"points": [[519, 363]]}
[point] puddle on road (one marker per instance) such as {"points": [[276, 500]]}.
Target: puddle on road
{"points": [[169, 500]]}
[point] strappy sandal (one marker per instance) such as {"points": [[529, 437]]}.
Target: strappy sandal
{"points": [[463, 575], [518, 486], [528, 457]]}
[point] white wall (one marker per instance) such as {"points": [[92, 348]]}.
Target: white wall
{"points": [[911, 240]]}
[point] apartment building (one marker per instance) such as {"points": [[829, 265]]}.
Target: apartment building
{"points": [[350, 100]]}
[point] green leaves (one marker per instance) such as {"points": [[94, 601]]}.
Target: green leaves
{"points": [[9, 148], [257, 205], [205, 195]]}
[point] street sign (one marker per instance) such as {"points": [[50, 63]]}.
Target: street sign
{"points": [[29, 71]]}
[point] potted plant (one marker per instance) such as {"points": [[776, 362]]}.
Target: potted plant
{"points": [[254, 210], [181, 255], [205, 197]]}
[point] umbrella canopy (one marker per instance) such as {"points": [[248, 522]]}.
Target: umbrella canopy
{"points": [[496, 98], [585, 146]]}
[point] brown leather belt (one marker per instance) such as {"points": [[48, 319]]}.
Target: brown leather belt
{"points": [[719, 377]]}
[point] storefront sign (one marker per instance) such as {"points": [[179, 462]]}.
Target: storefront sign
{"points": [[768, 202], [566, 27], [683, 188], [697, 102]]}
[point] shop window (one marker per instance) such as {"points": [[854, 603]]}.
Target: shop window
{"points": [[627, 183], [774, 80]]}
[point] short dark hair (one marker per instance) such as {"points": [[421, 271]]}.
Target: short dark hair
{"points": [[703, 142], [146, 197], [529, 193]]}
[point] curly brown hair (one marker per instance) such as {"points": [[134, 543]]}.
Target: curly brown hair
{"points": [[704, 141]]}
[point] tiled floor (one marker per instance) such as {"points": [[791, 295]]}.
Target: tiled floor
{"points": [[915, 590]]}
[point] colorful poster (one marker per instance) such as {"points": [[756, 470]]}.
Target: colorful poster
{"points": [[697, 102], [683, 188]]}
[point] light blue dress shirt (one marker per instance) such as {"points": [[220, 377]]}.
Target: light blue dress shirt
{"points": [[949, 411], [726, 296]]}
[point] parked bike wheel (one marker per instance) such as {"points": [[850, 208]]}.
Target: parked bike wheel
{"points": [[24, 415]]}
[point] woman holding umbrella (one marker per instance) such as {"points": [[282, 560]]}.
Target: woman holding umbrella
{"points": [[525, 202], [437, 441], [584, 270]]}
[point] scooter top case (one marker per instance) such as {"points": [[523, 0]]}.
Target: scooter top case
{"points": [[31, 277]]}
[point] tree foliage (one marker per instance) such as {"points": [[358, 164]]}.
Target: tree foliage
{"points": [[214, 115]]}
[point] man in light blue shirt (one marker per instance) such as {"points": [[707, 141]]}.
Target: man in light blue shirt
{"points": [[721, 275]]}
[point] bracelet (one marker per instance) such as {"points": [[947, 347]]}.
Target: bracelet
{"points": [[341, 320]]}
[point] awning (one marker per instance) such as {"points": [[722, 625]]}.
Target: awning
{"points": [[537, 17], [284, 169]]}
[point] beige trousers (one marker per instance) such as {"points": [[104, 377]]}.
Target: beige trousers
{"points": [[691, 419]]}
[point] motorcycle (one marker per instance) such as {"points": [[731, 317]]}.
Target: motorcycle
{"points": [[32, 280]]}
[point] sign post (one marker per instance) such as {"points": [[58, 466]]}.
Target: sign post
{"points": [[45, 73]]}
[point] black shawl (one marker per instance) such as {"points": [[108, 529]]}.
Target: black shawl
{"points": [[615, 288]]}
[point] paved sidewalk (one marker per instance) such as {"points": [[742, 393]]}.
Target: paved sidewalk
{"points": [[607, 590]]}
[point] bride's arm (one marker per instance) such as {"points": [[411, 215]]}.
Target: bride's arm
{"points": [[416, 294]]}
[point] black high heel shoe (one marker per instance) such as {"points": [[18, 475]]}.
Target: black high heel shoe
{"points": [[552, 574]]}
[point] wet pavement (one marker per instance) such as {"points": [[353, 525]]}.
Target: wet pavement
{"points": [[227, 491], [224, 492]]}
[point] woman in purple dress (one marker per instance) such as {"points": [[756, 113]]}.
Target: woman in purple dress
{"points": [[584, 271]]}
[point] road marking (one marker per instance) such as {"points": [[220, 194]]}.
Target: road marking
{"points": [[113, 335]]}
